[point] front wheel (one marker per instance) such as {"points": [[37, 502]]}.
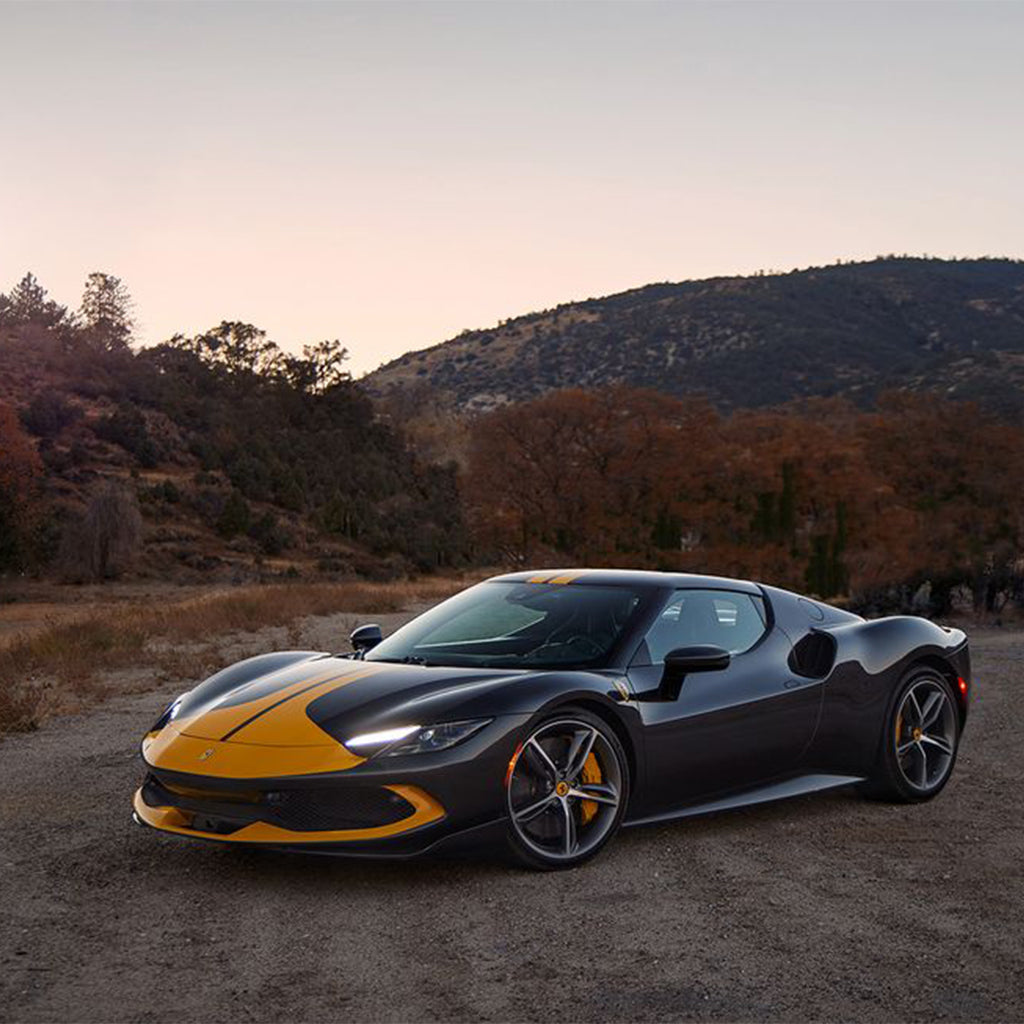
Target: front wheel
{"points": [[920, 744], [566, 790]]}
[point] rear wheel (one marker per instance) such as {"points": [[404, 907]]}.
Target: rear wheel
{"points": [[566, 791], [921, 740]]}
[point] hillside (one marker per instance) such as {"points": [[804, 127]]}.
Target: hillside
{"points": [[214, 457], [955, 326]]}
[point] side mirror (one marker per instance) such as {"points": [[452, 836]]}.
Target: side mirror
{"points": [[365, 638], [684, 660]]}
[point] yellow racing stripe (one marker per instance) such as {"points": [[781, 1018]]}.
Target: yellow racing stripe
{"points": [[288, 725], [282, 740], [556, 577], [566, 577], [217, 722]]}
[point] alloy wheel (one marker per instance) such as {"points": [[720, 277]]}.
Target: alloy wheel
{"points": [[925, 735], [565, 785]]}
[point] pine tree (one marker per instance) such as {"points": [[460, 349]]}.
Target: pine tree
{"points": [[107, 311], [28, 304]]}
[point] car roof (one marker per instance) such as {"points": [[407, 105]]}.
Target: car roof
{"points": [[627, 578]]}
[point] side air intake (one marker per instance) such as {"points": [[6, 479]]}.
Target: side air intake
{"points": [[813, 656]]}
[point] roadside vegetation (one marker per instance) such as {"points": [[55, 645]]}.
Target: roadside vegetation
{"points": [[916, 505], [68, 664], [217, 454], [223, 461]]}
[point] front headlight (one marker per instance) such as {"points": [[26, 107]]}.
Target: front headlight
{"points": [[169, 713], [415, 739]]}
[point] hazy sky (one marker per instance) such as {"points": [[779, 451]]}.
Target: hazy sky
{"points": [[390, 174]]}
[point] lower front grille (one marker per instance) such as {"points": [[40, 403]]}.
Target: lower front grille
{"points": [[320, 809], [323, 810]]}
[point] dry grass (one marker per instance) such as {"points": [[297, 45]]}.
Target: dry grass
{"points": [[58, 668]]}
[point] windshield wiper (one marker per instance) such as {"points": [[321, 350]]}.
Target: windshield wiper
{"points": [[409, 659]]}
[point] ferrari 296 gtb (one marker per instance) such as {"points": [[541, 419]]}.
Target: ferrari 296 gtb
{"points": [[541, 711]]}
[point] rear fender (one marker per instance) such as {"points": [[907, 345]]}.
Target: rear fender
{"points": [[881, 644], [871, 660]]}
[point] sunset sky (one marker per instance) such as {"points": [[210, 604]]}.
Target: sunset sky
{"points": [[390, 174]]}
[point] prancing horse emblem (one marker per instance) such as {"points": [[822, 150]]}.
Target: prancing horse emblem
{"points": [[206, 753]]}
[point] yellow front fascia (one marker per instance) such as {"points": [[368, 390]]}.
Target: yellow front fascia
{"points": [[269, 737], [176, 752], [171, 819]]}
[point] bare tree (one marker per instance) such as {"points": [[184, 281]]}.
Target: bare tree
{"points": [[105, 542]]}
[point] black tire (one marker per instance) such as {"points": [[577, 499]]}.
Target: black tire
{"points": [[568, 829], [916, 757]]}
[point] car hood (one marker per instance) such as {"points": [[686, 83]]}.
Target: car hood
{"points": [[321, 699], [289, 713]]}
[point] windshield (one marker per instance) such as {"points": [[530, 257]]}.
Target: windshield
{"points": [[517, 625]]}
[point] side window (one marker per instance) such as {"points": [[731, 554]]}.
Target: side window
{"points": [[725, 618]]}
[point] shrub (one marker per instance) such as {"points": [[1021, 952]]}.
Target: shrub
{"points": [[48, 414], [269, 534], [235, 517], [127, 427]]}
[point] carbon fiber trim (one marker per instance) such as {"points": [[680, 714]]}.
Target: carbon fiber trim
{"points": [[295, 808]]}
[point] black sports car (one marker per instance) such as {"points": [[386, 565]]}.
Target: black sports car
{"points": [[544, 710]]}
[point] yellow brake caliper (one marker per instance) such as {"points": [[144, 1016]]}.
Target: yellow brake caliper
{"points": [[591, 774]]}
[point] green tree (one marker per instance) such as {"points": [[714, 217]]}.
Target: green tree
{"points": [[235, 517], [269, 534], [239, 348], [106, 311], [827, 574], [21, 473], [126, 426], [320, 367], [28, 304]]}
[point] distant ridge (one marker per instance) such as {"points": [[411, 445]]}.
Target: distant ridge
{"points": [[852, 329]]}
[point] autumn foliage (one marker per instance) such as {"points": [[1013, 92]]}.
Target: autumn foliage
{"points": [[820, 496], [224, 450]]}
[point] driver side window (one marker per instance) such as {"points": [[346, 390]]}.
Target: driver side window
{"points": [[724, 618]]}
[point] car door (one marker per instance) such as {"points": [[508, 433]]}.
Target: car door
{"points": [[729, 729]]}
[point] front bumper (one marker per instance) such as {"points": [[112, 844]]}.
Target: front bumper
{"points": [[211, 820], [443, 839], [399, 806]]}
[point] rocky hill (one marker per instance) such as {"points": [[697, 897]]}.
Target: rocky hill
{"points": [[855, 329]]}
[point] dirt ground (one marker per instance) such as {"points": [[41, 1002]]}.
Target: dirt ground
{"points": [[823, 908]]}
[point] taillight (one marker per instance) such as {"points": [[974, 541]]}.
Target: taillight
{"points": [[962, 683]]}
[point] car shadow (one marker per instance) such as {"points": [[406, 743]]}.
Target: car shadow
{"points": [[287, 869]]}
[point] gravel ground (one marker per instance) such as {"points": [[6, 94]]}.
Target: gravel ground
{"points": [[823, 908]]}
